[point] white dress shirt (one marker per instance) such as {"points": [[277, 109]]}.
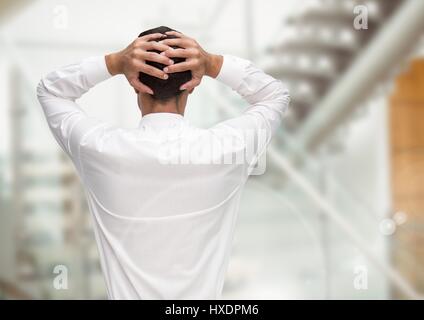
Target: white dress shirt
{"points": [[164, 205]]}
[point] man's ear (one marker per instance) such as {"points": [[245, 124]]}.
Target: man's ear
{"points": [[191, 91]]}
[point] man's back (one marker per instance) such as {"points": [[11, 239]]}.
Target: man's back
{"points": [[165, 167], [164, 202]]}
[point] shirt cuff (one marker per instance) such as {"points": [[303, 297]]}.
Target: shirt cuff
{"points": [[233, 71], [95, 70]]}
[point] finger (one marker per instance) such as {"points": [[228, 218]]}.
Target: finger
{"points": [[153, 56], [193, 83], [179, 67], [175, 33], [139, 86], [152, 71], [154, 45], [152, 36], [178, 42], [178, 53]]}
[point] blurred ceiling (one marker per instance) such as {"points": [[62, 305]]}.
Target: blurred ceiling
{"points": [[219, 25]]}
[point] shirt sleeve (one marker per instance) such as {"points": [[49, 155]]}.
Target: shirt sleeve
{"points": [[57, 93], [268, 102]]}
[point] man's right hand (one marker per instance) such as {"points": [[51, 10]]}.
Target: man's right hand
{"points": [[198, 61], [132, 60]]}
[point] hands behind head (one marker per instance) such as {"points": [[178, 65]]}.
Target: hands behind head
{"points": [[132, 60]]}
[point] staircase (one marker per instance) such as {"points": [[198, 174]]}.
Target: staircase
{"points": [[319, 45]]}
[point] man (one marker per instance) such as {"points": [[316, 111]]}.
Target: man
{"points": [[164, 196]]}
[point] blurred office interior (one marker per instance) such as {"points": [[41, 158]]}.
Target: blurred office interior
{"points": [[339, 213]]}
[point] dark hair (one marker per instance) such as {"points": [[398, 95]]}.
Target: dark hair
{"points": [[164, 89]]}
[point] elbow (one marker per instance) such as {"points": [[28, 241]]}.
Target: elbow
{"points": [[287, 96], [284, 96], [41, 89], [284, 91]]}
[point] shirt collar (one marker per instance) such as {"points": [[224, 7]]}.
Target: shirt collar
{"points": [[161, 120]]}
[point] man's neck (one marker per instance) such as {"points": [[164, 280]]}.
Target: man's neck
{"points": [[169, 106]]}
